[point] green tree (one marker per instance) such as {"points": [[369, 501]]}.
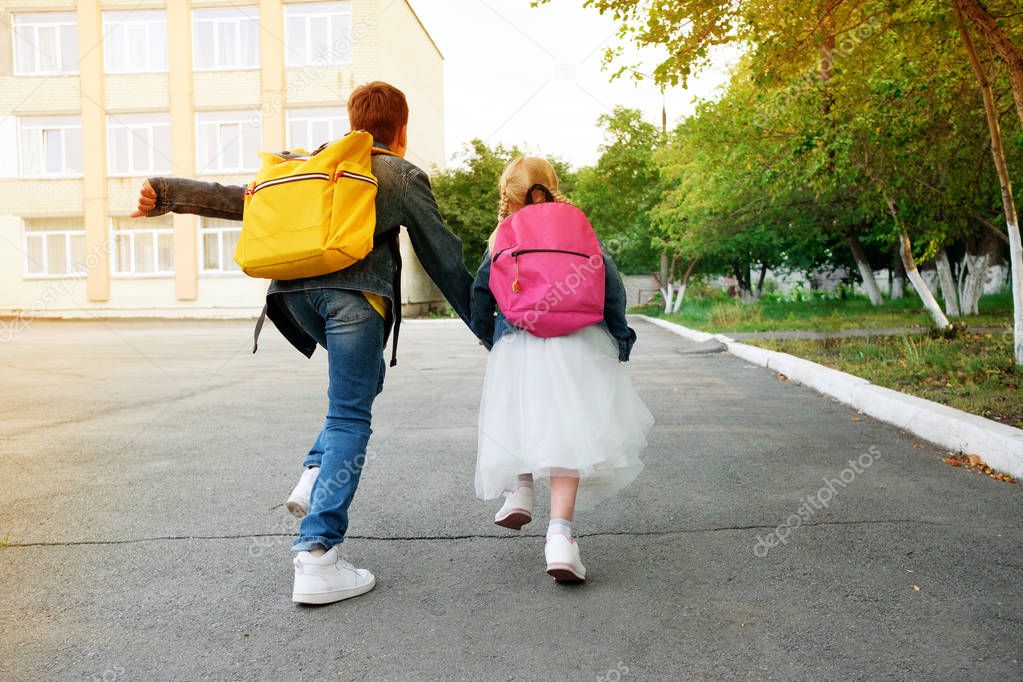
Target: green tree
{"points": [[468, 196], [783, 39], [619, 192]]}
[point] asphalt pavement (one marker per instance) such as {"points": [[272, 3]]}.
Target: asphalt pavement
{"points": [[774, 533]]}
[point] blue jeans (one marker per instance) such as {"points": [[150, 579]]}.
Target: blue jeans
{"points": [[343, 322]]}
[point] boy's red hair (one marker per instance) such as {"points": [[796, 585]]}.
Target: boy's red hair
{"points": [[378, 108]]}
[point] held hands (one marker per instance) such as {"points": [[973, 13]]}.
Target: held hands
{"points": [[147, 200]]}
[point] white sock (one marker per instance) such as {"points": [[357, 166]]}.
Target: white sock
{"points": [[524, 481], [559, 527]]}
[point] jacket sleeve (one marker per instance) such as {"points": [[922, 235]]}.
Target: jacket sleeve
{"points": [[210, 199], [438, 249], [614, 309], [483, 304]]}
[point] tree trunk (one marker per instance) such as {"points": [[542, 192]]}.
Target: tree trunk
{"points": [[996, 38], [947, 283], [926, 297], [1008, 202], [898, 279], [980, 256], [665, 281], [973, 283], [683, 283], [906, 253], [866, 272], [742, 277], [760, 282], [747, 284]]}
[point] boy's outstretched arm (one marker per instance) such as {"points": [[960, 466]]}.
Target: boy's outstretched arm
{"points": [[483, 304], [438, 249], [179, 195]]}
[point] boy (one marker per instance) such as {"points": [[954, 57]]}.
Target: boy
{"points": [[350, 313]]}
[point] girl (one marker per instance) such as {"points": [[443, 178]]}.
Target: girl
{"points": [[561, 408]]}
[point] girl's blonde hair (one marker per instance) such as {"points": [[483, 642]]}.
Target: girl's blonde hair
{"points": [[518, 177]]}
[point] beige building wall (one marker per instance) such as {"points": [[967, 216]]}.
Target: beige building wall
{"points": [[387, 43]]}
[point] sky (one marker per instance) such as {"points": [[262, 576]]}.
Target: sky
{"points": [[534, 77]]}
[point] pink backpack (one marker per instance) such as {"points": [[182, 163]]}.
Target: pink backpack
{"points": [[547, 268]]}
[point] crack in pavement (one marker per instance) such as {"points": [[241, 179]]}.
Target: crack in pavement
{"points": [[471, 536]]}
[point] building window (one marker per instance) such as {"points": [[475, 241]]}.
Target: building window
{"points": [[143, 247], [51, 146], [54, 247], [318, 33], [226, 142], [45, 43], [309, 128], [135, 42], [217, 241], [138, 144], [225, 38]]}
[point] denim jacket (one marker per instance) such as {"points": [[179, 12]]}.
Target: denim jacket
{"points": [[404, 197], [490, 325]]}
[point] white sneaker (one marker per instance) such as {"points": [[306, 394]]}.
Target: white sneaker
{"points": [[298, 503], [328, 578], [563, 561], [517, 510]]}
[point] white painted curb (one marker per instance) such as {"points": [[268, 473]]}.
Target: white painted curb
{"points": [[999, 445]]}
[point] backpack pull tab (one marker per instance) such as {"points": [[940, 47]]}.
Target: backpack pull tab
{"points": [[516, 287]]}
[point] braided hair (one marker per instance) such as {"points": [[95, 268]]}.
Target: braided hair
{"points": [[517, 179]]}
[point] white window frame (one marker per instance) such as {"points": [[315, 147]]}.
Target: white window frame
{"points": [[69, 271], [31, 22], [217, 118], [242, 14], [135, 22], [159, 160], [337, 117], [153, 233], [42, 124], [317, 12], [218, 230]]}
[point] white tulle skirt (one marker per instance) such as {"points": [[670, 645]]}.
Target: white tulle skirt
{"points": [[564, 405]]}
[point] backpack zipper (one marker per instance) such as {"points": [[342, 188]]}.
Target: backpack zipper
{"points": [[310, 176], [355, 176], [516, 285], [291, 178], [516, 254]]}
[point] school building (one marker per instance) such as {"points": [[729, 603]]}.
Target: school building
{"points": [[97, 95]]}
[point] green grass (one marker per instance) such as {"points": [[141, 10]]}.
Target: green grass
{"points": [[719, 313], [973, 372]]}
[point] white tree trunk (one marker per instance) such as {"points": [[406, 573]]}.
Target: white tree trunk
{"points": [[1016, 261], [683, 283], [899, 287], [667, 292], [926, 297], [866, 272], [974, 279], [679, 295], [869, 283], [898, 281], [1005, 183], [947, 283]]}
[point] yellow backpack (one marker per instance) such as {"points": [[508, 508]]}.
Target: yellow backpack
{"points": [[310, 214]]}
